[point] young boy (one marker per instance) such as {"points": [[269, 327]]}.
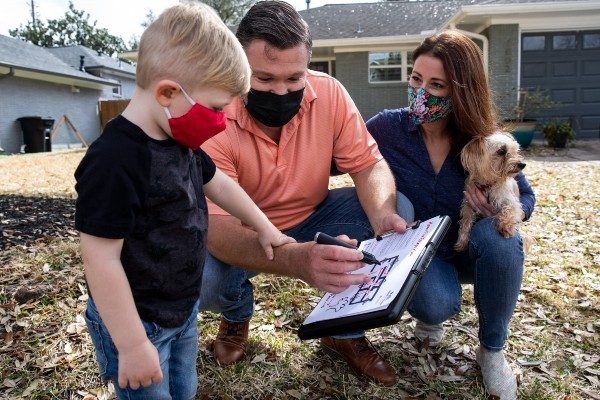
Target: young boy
{"points": [[141, 209]]}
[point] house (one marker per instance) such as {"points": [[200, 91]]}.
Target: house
{"points": [[34, 82], [553, 45], [103, 66]]}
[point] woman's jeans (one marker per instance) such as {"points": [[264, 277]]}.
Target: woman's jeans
{"points": [[177, 351], [494, 265], [228, 290]]}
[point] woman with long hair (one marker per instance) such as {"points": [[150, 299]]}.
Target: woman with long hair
{"points": [[450, 102]]}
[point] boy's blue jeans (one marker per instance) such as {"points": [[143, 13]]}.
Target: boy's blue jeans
{"points": [[227, 289], [494, 265], [177, 350]]}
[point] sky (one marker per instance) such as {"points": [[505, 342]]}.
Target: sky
{"points": [[121, 17]]}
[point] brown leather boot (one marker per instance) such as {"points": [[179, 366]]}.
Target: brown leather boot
{"points": [[362, 358], [230, 345]]}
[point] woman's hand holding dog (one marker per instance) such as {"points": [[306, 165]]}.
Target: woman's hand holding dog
{"points": [[477, 199]]}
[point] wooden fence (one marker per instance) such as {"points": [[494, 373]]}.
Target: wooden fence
{"points": [[110, 109]]}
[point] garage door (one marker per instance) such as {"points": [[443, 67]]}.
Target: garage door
{"points": [[567, 66]]}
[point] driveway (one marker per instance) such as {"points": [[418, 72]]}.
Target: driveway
{"points": [[579, 150]]}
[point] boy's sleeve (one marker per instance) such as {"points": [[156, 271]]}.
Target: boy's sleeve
{"points": [[107, 196], [207, 164]]}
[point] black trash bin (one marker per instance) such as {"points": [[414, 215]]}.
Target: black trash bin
{"points": [[36, 133]]}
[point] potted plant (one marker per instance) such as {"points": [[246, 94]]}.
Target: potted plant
{"points": [[558, 133], [523, 124]]}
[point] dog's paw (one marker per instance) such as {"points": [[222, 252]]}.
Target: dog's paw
{"points": [[507, 230]]}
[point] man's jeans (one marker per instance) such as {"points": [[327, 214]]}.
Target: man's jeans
{"points": [[494, 265], [177, 350], [228, 290]]}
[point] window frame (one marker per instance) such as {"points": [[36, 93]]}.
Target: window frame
{"points": [[403, 66], [119, 92], [564, 34], [544, 36], [584, 34]]}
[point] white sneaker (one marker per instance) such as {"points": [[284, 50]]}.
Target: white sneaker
{"points": [[498, 378], [435, 333]]}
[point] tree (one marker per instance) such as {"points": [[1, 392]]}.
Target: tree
{"points": [[74, 28], [230, 11], [150, 18], [134, 41]]}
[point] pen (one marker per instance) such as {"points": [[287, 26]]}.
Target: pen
{"points": [[414, 225], [323, 238]]}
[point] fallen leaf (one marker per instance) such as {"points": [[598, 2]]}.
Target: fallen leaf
{"points": [[259, 358]]}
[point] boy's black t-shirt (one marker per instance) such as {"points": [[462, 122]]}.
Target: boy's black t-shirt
{"points": [[149, 193]]}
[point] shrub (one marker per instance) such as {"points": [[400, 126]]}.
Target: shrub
{"points": [[558, 133]]}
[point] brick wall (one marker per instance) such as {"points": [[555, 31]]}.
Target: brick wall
{"points": [[352, 72], [504, 65], [21, 97]]}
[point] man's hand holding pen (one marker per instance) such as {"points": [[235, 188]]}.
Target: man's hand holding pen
{"points": [[323, 238]]}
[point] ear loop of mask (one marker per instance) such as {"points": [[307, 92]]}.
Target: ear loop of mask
{"points": [[189, 99]]}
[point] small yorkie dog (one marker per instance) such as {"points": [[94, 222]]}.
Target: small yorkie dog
{"points": [[492, 163]]}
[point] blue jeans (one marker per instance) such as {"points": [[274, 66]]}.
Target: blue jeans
{"points": [[227, 289], [494, 265], [177, 350]]}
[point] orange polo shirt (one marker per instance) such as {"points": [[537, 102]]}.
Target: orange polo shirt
{"points": [[287, 180]]}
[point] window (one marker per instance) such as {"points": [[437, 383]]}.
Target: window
{"points": [[321, 66], [409, 64], [117, 90], [532, 43], [564, 42], [591, 41], [391, 66]]}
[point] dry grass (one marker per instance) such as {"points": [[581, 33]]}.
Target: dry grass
{"points": [[45, 352]]}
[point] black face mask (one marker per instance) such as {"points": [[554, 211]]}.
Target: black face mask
{"points": [[273, 109]]}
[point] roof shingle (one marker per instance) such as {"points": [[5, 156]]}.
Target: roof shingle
{"points": [[388, 18], [18, 53], [71, 56]]}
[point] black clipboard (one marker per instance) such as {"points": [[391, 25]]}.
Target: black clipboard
{"points": [[389, 315]]}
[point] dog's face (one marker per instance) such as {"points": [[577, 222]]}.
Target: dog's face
{"points": [[492, 159]]}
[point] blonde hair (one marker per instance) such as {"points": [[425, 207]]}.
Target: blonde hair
{"points": [[189, 44]]}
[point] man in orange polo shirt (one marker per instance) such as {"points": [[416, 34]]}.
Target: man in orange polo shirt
{"points": [[279, 145]]}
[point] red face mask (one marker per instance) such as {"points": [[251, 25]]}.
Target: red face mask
{"points": [[197, 125]]}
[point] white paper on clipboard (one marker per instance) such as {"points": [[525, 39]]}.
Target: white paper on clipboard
{"points": [[397, 254]]}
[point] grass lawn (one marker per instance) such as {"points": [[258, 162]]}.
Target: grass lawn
{"points": [[554, 343]]}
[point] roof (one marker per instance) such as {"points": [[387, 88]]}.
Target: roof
{"points": [[394, 18], [18, 54], [71, 55], [484, 2], [390, 18]]}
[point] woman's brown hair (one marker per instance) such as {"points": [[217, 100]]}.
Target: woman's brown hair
{"points": [[473, 111]]}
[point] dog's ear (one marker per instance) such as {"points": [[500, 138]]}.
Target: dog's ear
{"points": [[472, 154]]}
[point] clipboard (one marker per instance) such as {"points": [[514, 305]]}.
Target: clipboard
{"points": [[394, 310]]}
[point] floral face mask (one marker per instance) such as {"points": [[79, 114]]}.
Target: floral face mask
{"points": [[425, 107]]}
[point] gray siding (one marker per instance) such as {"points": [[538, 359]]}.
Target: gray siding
{"points": [[37, 98], [127, 87], [504, 65], [352, 72]]}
